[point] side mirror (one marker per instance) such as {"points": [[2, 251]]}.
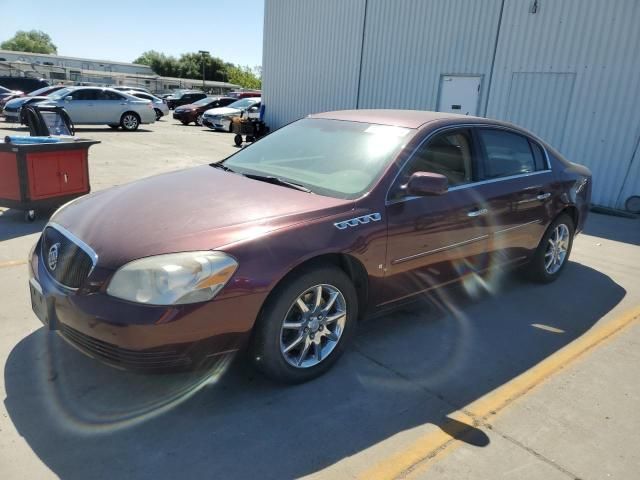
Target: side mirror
{"points": [[68, 98], [253, 109], [425, 183]]}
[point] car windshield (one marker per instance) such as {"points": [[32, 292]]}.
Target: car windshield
{"points": [[40, 91], [204, 101], [244, 103], [60, 93], [330, 157]]}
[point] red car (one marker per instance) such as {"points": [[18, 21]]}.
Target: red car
{"points": [[193, 112], [286, 245]]}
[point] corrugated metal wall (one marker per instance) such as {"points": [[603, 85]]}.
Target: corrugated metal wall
{"points": [[569, 72], [311, 57], [410, 44], [595, 121]]}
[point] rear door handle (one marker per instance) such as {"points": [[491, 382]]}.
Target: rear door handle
{"points": [[543, 196], [477, 212]]}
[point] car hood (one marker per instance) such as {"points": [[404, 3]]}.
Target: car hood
{"points": [[199, 208], [18, 102], [222, 111]]}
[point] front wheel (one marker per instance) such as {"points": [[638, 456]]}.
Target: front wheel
{"points": [[553, 251], [237, 139], [305, 325], [130, 121]]}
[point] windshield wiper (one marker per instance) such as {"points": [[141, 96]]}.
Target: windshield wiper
{"points": [[277, 181], [222, 166]]}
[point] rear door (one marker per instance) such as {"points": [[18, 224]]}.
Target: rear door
{"points": [[111, 106], [516, 183], [433, 240]]}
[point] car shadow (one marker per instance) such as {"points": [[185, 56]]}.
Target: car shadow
{"points": [[409, 369], [13, 223], [107, 130], [619, 229]]}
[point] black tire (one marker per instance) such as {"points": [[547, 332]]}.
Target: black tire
{"points": [[536, 270], [159, 114], [29, 215], [237, 140], [130, 121], [184, 122], [115, 127], [265, 347]]}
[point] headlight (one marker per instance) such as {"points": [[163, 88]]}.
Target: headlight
{"points": [[173, 279]]}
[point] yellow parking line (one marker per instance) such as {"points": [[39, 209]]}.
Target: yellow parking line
{"points": [[435, 443], [12, 263]]}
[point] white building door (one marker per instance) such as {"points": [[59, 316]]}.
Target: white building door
{"points": [[459, 94]]}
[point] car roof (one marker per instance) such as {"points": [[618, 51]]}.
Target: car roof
{"points": [[397, 118]]}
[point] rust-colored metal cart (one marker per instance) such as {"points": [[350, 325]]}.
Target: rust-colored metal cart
{"points": [[251, 127], [43, 176]]}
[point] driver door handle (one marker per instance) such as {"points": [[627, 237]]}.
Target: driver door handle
{"points": [[543, 196], [477, 212]]}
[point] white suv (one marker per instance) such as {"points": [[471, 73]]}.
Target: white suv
{"points": [[99, 106]]}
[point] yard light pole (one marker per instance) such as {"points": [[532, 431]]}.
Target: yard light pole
{"points": [[204, 54]]}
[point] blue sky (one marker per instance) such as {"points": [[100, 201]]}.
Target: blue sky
{"points": [[231, 30]]}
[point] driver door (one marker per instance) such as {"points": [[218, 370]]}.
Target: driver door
{"points": [[433, 240], [81, 107]]}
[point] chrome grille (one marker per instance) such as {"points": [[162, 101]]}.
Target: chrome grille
{"points": [[72, 263]]}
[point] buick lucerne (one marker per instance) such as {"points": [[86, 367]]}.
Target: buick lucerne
{"points": [[283, 247]]}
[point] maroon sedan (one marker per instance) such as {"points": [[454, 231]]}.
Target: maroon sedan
{"points": [[194, 111], [288, 243]]}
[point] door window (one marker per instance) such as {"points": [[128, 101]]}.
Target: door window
{"points": [[85, 94], [506, 154], [107, 95], [450, 154]]}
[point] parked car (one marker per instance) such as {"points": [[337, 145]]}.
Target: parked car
{"points": [[24, 84], [194, 112], [220, 118], [13, 108], [14, 94], [288, 243], [159, 105], [98, 106], [122, 88], [245, 94], [5, 92], [184, 97]]}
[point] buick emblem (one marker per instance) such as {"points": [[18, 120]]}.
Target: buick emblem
{"points": [[52, 259]]}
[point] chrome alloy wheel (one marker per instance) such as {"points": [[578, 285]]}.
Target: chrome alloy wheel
{"points": [[557, 248], [313, 326], [130, 121]]}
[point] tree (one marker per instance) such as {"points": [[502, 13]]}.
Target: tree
{"points": [[244, 76], [191, 67], [160, 63], [34, 41]]}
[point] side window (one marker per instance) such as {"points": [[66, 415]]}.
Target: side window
{"points": [[450, 154], [85, 94], [107, 95], [538, 155], [506, 154]]}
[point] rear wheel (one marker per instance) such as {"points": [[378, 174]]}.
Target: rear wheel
{"points": [[553, 251], [130, 121], [159, 113], [305, 325]]}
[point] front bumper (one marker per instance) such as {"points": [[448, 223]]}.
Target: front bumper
{"points": [[217, 123], [140, 337], [184, 116]]}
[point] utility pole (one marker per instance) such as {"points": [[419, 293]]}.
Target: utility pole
{"points": [[204, 54]]}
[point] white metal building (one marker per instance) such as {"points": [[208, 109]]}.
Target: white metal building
{"points": [[569, 70], [75, 63]]}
